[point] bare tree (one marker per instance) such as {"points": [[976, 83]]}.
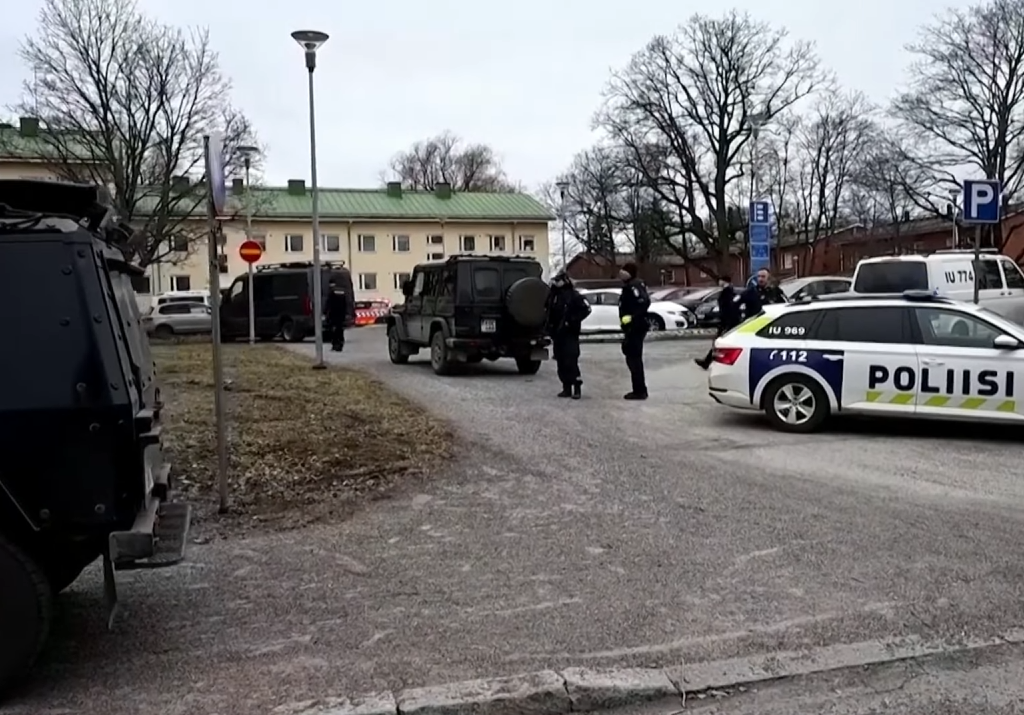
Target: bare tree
{"points": [[682, 107], [593, 197], [965, 106], [125, 101], [444, 158], [879, 193]]}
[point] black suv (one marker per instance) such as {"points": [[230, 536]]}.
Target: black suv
{"points": [[469, 308], [283, 300]]}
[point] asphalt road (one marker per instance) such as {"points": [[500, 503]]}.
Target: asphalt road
{"points": [[594, 533]]}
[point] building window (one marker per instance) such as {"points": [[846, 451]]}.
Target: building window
{"points": [[527, 244], [181, 283], [368, 244], [401, 279], [179, 244], [497, 243], [367, 281], [141, 284], [435, 256], [467, 244], [400, 244], [260, 238], [435, 240], [332, 243], [787, 260], [293, 243]]}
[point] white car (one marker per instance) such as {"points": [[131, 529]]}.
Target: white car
{"points": [[604, 312], [915, 355]]}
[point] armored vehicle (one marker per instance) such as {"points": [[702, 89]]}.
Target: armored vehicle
{"points": [[82, 474], [469, 308]]}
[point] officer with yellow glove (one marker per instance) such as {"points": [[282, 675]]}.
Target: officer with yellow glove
{"points": [[633, 305]]}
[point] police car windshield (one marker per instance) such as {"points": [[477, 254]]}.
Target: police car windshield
{"points": [[895, 276]]}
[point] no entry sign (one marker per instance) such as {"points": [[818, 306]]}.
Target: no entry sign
{"points": [[250, 251]]}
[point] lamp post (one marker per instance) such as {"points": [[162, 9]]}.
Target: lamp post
{"points": [[756, 121], [563, 186], [311, 41], [954, 194], [248, 152]]}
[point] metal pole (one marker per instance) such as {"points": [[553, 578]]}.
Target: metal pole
{"points": [[977, 263], [218, 360], [248, 237], [318, 328], [565, 262]]}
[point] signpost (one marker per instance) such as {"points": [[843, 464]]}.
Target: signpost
{"points": [[251, 251], [759, 236], [982, 201], [217, 195]]}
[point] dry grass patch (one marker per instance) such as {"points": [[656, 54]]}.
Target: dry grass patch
{"points": [[303, 443]]}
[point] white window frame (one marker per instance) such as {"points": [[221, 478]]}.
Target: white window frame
{"points": [[491, 241], [394, 243], [462, 243], [398, 280], [174, 244], [362, 242], [288, 242], [363, 281], [432, 242], [435, 255], [522, 244], [323, 242], [174, 284]]}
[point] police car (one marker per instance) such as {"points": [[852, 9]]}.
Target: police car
{"points": [[909, 355]]}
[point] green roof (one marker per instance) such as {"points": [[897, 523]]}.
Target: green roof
{"points": [[29, 142], [378, 204]]}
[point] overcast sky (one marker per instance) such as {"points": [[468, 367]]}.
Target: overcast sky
{"points": [[523, 76]]}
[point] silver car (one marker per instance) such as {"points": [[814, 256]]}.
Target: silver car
{"points": [[170, 319]]}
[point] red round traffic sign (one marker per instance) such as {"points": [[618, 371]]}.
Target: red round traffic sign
{"points": [[250, 251]]}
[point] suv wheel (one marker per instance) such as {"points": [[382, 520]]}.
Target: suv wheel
{"points": [[439, 359], [164, 332], [526, 366], [290, 332], [25, 616], [397, 351]]}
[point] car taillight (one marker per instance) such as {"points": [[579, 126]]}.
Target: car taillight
{"points": [[307, 306], [726, 356]]}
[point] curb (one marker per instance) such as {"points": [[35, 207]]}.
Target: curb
{"points": [[657, 336], [580, 690]]}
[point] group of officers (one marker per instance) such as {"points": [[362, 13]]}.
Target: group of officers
{"points": [[567, 310]]}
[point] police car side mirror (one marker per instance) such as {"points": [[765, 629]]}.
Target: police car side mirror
{"points": [[1006, 342]]}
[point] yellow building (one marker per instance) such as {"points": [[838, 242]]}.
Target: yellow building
{"points": [[379, 234]]}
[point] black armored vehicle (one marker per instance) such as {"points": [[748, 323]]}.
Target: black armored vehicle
{"points": [[469, 308], [82, 474]]}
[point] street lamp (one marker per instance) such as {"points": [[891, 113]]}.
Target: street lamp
{"points": [[954, 194], [311, 41], [248, 152], [563, 186]]}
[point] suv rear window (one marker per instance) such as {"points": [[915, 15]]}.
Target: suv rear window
{"points": [[486, 282], [891, 277]]}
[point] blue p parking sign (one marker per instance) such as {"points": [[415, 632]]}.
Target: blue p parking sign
{"points": [[981, 201]]}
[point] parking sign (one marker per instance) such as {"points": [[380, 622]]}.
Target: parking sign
{"points": [[981, 202]]}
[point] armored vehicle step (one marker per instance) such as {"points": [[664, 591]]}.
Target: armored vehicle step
{"points": [[169, 538]]}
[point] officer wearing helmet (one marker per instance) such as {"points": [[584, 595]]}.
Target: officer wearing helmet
{"points": [[567, 310]]}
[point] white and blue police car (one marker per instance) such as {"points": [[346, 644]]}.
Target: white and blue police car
{"points": [[908, 355]]}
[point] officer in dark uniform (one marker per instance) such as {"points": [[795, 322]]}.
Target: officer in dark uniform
{"points": [[567, 310], [729, 315], [633, 305], [336, 314], [761, 293]]}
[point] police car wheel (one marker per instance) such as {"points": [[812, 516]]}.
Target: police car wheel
{"points": [[795, 403]]}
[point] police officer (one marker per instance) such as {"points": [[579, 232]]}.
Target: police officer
{"points": [[633, 305], [761, 293], [336, 314], [567, 310], [728, 315]]}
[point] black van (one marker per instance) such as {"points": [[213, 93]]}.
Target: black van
{"points": [[283, 300]]}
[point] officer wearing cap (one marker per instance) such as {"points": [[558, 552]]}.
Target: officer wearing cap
{"points": [[633, 305]]}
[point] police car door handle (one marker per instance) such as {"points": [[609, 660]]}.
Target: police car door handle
{"points": [[931, 361]]}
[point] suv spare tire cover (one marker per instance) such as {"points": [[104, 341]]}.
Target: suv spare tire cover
{"points": [[526, 301]]}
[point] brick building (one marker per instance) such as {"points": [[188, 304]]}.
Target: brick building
{"points": [[835, 254]]}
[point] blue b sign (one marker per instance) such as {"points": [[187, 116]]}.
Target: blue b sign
{"points": [[759, 213], [760, 235], [981, 201]]}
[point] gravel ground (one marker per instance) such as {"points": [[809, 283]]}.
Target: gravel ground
{"points": [[591, 533]]}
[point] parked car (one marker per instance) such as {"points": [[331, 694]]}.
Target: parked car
{"points": [[674, 293], [604, 313], [170, 319], [800, 288]]}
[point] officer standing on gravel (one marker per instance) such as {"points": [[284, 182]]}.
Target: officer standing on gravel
{"points": [[336, 315], [633, 305], [567, 310]]}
